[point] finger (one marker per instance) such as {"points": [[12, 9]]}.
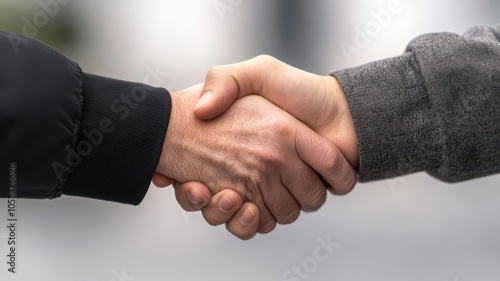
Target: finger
{"points": [[224, 84], [192, 196], [300, 93], [267, 222], [305, 185], [245, 222], [327, 160], [160, 180], [280, 201], [222, 207]]}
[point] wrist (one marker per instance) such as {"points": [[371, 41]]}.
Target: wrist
{"points": [[173, 136], [340, 131], [182, 141]]}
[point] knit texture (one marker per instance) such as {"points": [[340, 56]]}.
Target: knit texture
{"points": [[436, 108]]}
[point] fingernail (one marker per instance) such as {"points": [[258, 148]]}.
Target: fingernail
{"points": [[225, 203], [205, 98], [192, 198], [247, 216]]}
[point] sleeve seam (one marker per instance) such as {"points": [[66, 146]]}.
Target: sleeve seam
{"points": [[78, 90]]}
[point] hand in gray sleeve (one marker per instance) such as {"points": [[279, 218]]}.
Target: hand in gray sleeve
{"points": [[436, 108]]}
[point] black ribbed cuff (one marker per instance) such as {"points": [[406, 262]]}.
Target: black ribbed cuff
{"points": [[122, 129]]}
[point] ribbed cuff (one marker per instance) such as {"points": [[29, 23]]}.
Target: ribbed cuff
{"points": [[122, 130]]}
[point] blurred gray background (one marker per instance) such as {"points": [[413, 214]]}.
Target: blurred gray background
{"points": [[409, 228]]}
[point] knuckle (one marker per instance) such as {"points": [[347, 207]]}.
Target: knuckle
{"points": [[210, 217], [267, 222], [350, 184], [184, 203], [265, 59], [274, 152], [290, 216], [210, 221], [265, 161], [215, 71], [316, 199], [246, 236], [241, 234], [331, 163], [281, 126], [266, 226], [250, 190], [272, 158], [188, 207]]}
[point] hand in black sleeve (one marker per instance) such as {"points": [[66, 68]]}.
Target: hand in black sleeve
{"points": [[72, 132]]}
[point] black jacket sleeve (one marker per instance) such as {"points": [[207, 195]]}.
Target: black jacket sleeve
{"points": [[63, 131]]}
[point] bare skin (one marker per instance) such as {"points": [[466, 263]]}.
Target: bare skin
{"points": [[318, 101], [257, 150]]}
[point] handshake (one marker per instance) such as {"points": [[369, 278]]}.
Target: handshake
{"points": [[266, 141]]}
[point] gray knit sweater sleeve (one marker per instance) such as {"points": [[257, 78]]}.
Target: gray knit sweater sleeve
{"points": [[436, 108]]}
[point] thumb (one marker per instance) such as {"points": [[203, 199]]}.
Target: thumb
{"points": [[224, 84], [310, 98], [217, 96]]}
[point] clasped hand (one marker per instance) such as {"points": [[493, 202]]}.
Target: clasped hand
{"points": [[266, 141]]}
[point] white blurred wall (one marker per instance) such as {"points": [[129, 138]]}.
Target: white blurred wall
{"points": [[410, 228]]}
